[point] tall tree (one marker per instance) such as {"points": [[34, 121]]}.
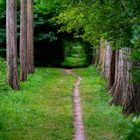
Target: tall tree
{"points": [[23, 40], [30, 46], [11, 24], [123, 88]]}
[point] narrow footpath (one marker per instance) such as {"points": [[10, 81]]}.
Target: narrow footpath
{"points": [[79, 133]]}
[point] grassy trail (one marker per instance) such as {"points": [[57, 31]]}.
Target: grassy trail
{"points": [[43, 108], [101, 121]]}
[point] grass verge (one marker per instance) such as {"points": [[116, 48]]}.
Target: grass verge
{"points": [[41, 110], [102, 122]]}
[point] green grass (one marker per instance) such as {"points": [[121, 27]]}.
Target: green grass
{"points": [[41, 110], [102, 122]]}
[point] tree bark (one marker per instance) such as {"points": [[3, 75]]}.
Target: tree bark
{"points": [[11, 43], [30, 44], [116, 66], [23, 40], [123, 88], [107, 60], [102, 56]]}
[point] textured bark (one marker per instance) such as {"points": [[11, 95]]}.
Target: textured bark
{"points": [[116, 67], [23, 40], [107, 60], [30, 46], [102, 55], [116, 89], [11, 43], [123, 89]]}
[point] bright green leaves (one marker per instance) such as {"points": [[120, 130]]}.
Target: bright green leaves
{"points": [[114, 20]]}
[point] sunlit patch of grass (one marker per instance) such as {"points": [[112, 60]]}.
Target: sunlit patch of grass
{"points": [[102, 122], [41, 110]]}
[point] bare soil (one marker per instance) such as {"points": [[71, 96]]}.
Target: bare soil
{"points": [[79, 133]]}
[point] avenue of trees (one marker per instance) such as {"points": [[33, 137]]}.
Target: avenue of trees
{"points": [[111, 27]]}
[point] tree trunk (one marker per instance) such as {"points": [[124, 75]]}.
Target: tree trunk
{"points": [[23, 40], [123, 89], [30, 46], [102, 56], [107, 60], [11, 43]]}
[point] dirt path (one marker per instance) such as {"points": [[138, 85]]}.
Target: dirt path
{"points": [[79, 133]]}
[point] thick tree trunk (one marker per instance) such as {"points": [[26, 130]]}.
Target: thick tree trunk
{"points": [[30, 46], [23, 40], [12, 69], [106, 56], [102, 56], [107, 60], [123, 89], [116, 67]]}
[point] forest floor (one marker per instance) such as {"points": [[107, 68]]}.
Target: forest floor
{"points": [[43, 108]]}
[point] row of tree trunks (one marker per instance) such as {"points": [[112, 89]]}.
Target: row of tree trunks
{"points": [[116, 67], [26, 41]]}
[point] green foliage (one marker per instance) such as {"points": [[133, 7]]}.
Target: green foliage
{"points": [[75, 54], [114, 20], [3, 84], [133, 132], [45, 28], [2, 23]]}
